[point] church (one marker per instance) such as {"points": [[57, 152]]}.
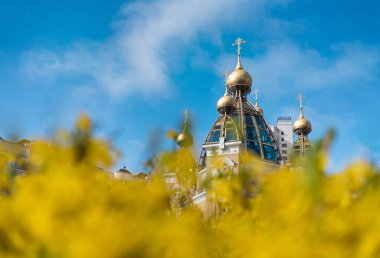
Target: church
{"points": [[241, 128]]}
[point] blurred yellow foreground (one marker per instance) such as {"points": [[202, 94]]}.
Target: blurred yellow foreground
{"points": [[70, 208]]}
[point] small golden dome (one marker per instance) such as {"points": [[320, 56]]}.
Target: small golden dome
{"points": [[185, 140], [225, 104], [257, 107], [302, 126]]}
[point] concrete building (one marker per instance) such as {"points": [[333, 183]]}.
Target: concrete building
{"points": [[283, 132]]}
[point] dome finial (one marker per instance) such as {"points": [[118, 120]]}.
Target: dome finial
{"points": [[256, 92], [238, 42], [226, 74], [257, 108], [300, 97], [184, 139]]}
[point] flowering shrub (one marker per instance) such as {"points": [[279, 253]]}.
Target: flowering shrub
{"points": [[71, 208]]}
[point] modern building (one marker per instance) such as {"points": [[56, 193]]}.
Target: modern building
{"points": [[283, 132]]}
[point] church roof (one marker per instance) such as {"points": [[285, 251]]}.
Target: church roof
{"points": [[244, 123], [256, 136]]}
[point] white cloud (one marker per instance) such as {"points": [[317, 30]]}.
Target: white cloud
{"points": [[147, 44], [286, 66]]}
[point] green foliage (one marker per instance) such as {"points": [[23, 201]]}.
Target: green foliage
{"points": [[70, 208]]}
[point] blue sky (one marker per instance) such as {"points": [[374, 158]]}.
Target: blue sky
{"points": [[133, 66]]}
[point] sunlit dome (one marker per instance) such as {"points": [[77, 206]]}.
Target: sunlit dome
{"points": [[225, 104], [301, 126], [239, 79], [185, 139]]}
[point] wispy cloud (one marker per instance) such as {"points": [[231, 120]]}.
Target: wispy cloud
{"points": [[286, 66], [147, 44]]}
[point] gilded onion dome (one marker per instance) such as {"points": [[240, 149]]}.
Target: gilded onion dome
{"points": [[239, 79], [226, 104], [257, 107], [185, 139], [301, 126]]}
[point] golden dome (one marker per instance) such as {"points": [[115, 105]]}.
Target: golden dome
{"points": [[225, 104], [185, 140], [257, 107], [302, 126], [239, 79]]}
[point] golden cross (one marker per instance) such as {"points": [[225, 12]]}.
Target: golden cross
{"points": [[238, 43], [300, 97]]}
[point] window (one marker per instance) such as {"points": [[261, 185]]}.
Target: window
{"points": [[284, 152], [254, 146], [215, 135], [282, 139], [251, 133], [284, 145], [265, 136], [282, 133], [231, 135], [248, 120], [269, 152]]}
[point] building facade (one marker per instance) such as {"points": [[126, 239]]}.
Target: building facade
{"points": [[283, 132]]}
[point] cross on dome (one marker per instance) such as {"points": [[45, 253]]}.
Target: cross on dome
{"points": [[300, 97], [256, 92], [238, 42], [185, 114]]}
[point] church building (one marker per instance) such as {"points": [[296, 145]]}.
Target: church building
{"points": [[241, 128]]}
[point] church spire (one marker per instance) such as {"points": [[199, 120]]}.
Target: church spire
{"points": [[257, 107], [184, 139], [239, 81], [301, 126], [300, 97], [256, 92], [238, 42]]}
